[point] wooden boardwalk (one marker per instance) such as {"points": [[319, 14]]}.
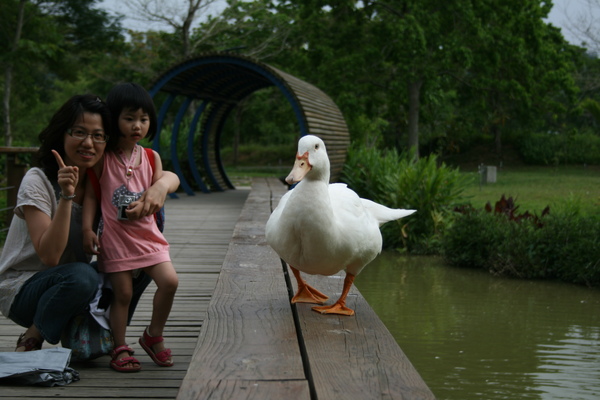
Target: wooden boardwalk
{"points": [[233, 331], [199, 229]]}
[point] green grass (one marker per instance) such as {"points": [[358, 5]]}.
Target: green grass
{"points": [[534, 188]]}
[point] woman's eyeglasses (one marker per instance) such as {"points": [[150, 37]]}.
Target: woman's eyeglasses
{"points": [[80, 134]]}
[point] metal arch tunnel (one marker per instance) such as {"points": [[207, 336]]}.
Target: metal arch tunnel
{"points": [[216, 83]]}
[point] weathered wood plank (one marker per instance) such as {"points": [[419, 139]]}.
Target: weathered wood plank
{"points": [[355, 357], [200, 389], [248, 344]]}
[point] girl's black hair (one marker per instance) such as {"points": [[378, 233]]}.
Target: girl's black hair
{"points": [[129, 96], [53, 136]]}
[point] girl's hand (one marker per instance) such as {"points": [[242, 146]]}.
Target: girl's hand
{"points": [[150, 202], [68, 176], [91, 245], [154, 198]]}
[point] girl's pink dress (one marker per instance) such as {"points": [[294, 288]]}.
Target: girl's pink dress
{"points": [[127, 245]]}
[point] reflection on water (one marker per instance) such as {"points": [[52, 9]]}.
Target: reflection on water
{"points": [[474, 336]]}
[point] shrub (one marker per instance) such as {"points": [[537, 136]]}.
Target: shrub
{"points": [[570, 246], [469, 240], [400, 181], [563, 246]]}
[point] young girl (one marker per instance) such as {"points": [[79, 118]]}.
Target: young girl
{"points": [[127, 242]]}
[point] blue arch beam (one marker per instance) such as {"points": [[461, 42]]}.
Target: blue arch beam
{"points": [[220, 81]]}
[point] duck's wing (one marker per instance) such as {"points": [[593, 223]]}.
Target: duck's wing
{"points": [[345, 202]]}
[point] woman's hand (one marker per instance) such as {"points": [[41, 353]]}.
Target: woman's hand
{"points": [[50, 236], [68, 176]]}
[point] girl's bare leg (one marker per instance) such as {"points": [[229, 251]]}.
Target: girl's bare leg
{"points": [[121, 283], [166, 280]]}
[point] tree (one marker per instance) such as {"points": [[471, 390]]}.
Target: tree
{"points": [[8, 72], [391, 51], [521, 77], [259, 29], [181, 15], [47, 40]]}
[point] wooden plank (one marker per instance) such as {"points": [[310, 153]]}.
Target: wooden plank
{"points": [[249, 333], [355, 357], [201, 389], [248, 344]]}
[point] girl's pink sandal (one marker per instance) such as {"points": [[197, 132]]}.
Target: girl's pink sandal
{"points": [[162, 357], [121, 365]]}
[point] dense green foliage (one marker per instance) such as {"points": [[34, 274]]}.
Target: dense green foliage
{"points": [[563, 245], [554, 149], [434, 76], [400, 181]]}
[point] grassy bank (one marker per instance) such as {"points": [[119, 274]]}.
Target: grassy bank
{"points": [[536, 187]]}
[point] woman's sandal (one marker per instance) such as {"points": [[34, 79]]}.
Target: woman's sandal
{"points": [[120, 365], [30, 343], [162, 357]]}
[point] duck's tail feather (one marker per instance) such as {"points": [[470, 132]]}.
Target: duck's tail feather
{"points": [[385, 214]]}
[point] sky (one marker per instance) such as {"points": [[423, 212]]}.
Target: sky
{"points": [[119, 6], [570, 14], [565, 14]]}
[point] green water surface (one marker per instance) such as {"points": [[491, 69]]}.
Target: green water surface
{"points": [[475, 336]]}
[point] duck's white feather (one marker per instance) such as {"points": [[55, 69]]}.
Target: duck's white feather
{"points": [[322, 228]]}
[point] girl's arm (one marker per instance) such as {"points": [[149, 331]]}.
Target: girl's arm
{"points": [[158, 170], [50, 236], [163, 183], [90, 209]]}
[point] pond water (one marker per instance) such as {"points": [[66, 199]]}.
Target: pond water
{"points": [[475, 336]]}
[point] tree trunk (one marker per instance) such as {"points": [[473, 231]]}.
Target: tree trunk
{"points": [[8, 76], [414, 93], [6, 105], [497, 140]]}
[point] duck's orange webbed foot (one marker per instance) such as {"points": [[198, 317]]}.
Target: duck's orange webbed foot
{"points": [[308, 294], [336, 308]]}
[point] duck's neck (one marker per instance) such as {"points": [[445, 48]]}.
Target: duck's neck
{"points": [[320, 174]]}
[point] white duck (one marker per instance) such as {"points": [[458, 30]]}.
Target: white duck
{"points": [[321, 228]]}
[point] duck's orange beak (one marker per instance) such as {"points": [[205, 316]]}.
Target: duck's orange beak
{"points": [[300, 169]]}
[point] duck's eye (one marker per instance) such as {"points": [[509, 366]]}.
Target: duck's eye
{"points": [[316, 147]]}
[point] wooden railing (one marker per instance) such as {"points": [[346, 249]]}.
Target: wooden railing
{"points": [[15, 169]]}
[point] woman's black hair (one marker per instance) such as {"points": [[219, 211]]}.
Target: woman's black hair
{"points": [[53, 136], [130, 96]]}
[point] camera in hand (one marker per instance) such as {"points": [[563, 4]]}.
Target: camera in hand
{"points": [[124, 202]]}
